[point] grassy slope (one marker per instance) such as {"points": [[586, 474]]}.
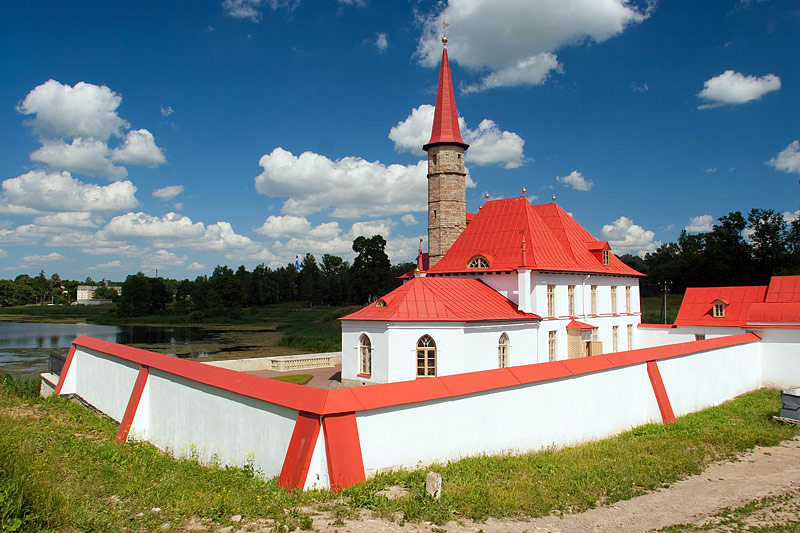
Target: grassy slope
{"points": [[59, 467]]}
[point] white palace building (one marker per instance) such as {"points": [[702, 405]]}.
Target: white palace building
{"points": [[517, 332]]}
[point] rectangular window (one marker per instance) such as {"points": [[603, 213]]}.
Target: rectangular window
{"points": [[551, 300], [613, 300], [719, 310], [571, 295], [630, 337], [551, 345], [594, 299], [605, 257], [615, 338], [699, 336], [628, 299]]}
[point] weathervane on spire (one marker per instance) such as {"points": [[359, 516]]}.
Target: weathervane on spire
{"points": [[444, 27]]}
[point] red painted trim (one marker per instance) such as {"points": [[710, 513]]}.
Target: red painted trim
{"points": [[658, 326], [301, 449], [133, 404], [364, 375], [297, 397], [667, 416], [67, 364], [327, 402], [343, 448]]}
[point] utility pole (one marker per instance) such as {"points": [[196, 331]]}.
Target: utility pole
{"points": [[666, 291]]}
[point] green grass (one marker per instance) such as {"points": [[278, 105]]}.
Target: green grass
{"points": [[298, 379], [60, 469], [653, 308], [313, 329]]}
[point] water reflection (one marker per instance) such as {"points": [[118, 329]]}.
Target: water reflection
{"points": [[25, 347]]}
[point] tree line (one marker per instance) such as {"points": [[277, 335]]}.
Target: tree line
{"points": [[331, 281], [739, 250]]}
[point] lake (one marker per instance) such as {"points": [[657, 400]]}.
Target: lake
{"points": [[25, 347]]}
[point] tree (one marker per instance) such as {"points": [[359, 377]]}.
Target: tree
{"points": [[335, 280], [371, 276], [135, 297], [309, 278], [769, 239]]}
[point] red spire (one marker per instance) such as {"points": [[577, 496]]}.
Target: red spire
{"points": [[445, 118]]}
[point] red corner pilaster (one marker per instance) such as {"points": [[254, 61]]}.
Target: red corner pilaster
{"points": [[64, 370], [667, 416], [301, 448], [133, 404], [343, 448]]}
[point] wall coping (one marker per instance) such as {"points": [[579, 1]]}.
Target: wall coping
{"points": [[368, 397]]}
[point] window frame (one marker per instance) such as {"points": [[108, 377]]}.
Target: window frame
{"points": [[551, 300], [605, 257], [503, 351], [628, 299], [615, 339], [613, 299], [364, 355], [594, 299], [426, 349], [477, 260], [630, 336], [552, 345], [718, 309], [571, 299]]}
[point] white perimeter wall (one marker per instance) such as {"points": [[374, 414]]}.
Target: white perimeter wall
{"points": [[552, 413], [780, 357], [185, 417]]}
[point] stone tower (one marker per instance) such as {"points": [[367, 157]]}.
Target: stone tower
{"points": [[447, 203]]}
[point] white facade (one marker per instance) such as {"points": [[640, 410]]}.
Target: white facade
{"points": [[472, 346]]}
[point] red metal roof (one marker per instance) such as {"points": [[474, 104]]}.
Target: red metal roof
{"points": [[445, 118], [442, 299], [774, 312], [555, 241], [783, 289], [698, 302], [580, 325]]}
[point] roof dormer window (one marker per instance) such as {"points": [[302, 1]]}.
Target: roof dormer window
{"points": [[478, 262], [718, 309], [605, 257]]}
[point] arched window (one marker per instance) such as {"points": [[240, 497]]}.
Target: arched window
{"points": [[426, 357], [502, 350], [365, 356], [478, 262]]}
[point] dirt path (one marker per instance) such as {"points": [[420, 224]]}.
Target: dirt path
{"points": [[773, 471]]}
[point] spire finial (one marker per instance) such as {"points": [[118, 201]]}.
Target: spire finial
{"points": [[444, 27]]}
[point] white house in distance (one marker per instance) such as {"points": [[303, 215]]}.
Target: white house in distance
{"points": [[513, 284]]}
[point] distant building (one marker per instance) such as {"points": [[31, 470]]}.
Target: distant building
{"points": [[85, 294]]}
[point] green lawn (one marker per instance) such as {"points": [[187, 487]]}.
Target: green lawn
{"points": [[60, 469], [298, 379], [653, 308]]}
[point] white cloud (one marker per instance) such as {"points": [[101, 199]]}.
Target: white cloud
{"points": [[515, 39], [127, 250], [38, 259], [195, 267], [357, 3], [625, 237], [284, 226], [382, 41], [351, 186], [370, 228], [790, 217], [74, 125], [162, 258], [165, 194], [139, 148], [26, 234], [3, 253], [408, 219], [711, 170], [639, 87], [85, 156], [700, 224], [734, 88], [110, 264], [71, 219], [251, 9], [85, 110], [788, 160], [576, 180], [60, 192], [532, 70], [166, 111], [178, 206], [488, 143]]}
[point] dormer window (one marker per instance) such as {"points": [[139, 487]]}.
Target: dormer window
{"points": [[478, 262], [380, 303], [605, 257], [718, 309]]}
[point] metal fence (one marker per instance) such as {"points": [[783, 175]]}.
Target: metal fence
{"points": [[56, 363]]}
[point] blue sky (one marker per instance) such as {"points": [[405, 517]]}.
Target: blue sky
{"points": [[182, 135]]}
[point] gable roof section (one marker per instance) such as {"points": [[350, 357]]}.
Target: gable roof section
{"points": [[442, 299], [783, 289], [697, 304], [555, 241]]}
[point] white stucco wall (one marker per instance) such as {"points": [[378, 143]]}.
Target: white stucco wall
{"points": [[650, 337], [780, 357], [104, 382], [694, 382], [522, 418], [351, 340], [189, 418]]}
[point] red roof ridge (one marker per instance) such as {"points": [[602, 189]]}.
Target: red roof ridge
{"points": [[445, 117], [580, 325]]}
